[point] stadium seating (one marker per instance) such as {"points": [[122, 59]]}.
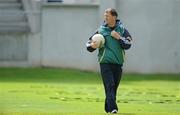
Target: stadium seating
{"points": [[12, 16]]}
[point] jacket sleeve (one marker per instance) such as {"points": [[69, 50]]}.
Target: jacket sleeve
{"points": [[125, 41], [88, 46]]}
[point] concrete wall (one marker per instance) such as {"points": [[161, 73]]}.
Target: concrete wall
{"points": [[14, 47], [20, 49], [65, 28], [154, 25]]}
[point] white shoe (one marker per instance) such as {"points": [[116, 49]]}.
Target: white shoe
{"points": [[114, 111]]}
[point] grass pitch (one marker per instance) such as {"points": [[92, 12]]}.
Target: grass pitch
{"points": [[37, 91]]}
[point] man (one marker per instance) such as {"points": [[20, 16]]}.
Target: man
{"points": [[111, 55]]}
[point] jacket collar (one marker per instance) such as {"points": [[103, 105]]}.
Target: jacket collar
{"points": [[118, 22]]}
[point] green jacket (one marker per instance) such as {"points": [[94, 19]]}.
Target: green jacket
{"points": [[111, 52]]}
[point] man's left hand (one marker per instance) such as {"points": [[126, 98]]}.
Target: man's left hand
{"points": [[116, 35]]}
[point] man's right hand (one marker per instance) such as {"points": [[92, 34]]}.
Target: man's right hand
{"points": [[94, 44]]}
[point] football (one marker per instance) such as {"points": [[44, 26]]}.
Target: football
{"points": [[99, 40]]}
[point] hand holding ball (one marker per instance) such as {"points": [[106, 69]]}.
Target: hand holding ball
{"points": [[97, 41]]}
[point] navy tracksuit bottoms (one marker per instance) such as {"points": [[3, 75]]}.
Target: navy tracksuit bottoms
{"points": [[111, 76]]}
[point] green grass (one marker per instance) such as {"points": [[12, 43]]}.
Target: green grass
{"points": [[36, 91]]}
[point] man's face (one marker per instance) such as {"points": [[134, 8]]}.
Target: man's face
{"points": [[108, 18]]}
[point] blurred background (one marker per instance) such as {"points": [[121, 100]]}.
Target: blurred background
{"points": [[53, 33]]}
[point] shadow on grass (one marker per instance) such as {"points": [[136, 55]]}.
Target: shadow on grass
{"points": [[71, 76], [142, 77]]}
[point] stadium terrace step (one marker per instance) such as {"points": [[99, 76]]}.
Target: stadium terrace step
{"points": [[14, 27], [9, 1], [10, 6], [10, 16], [18, 24]]}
